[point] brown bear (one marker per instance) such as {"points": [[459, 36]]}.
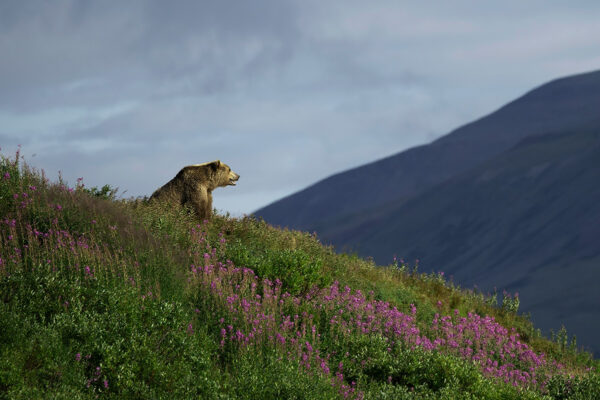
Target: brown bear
{"points": [[193, 186]]}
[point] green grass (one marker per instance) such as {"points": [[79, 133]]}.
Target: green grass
{"points": [[109, 298]]}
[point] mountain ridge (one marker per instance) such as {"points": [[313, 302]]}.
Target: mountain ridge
{"points": [[350, 190], [518, 210]]}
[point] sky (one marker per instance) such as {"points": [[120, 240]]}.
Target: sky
{"points": [[285, 92]]}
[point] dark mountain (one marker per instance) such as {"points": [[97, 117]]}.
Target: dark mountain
{"points": [[509, 201], [527, 220], [558, 105]]}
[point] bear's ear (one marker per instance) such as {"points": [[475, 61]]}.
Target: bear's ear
{"points": [[215, 165]]}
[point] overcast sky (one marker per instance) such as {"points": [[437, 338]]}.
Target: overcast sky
{"points": [[285, 92]]}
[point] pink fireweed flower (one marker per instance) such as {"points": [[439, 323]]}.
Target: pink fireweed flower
{"points": [[351, 312], [78, 357], [309, 347], [324, 367], [280, 338], [6, 175], [413, 309]]}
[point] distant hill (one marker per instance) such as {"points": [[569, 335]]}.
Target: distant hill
{"points": [[527, 220], [511, 200]]}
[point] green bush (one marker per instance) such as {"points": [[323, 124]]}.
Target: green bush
{"points": [[81, 336], [271, 376], [298, 270], [106, 192], [577, 388], [408, 373]]}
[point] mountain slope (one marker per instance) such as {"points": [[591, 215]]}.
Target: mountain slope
{"points": [[527, 220], [555, 106], [508, 201]]}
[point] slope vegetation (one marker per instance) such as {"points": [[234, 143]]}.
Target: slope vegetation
{"points": [[526, 221], [106, 298], [508, 201]]}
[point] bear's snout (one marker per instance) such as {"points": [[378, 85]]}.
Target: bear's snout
{"points": [[233, 177]]}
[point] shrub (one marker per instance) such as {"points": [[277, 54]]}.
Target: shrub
{"points": [[81, 336], [298, 270]]}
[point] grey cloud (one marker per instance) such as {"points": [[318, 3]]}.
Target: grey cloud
{"points": [[185, 46], [286, 92], [8, 145]]}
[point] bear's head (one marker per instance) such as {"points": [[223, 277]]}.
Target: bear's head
{"points": [[224, 176]]}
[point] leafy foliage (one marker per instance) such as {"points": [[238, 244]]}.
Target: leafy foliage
{"points": [[295, 268]]}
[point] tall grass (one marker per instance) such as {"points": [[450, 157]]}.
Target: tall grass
{"points": [[123, 299]]}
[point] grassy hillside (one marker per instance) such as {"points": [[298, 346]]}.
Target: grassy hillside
{"points": [[106, 298]]}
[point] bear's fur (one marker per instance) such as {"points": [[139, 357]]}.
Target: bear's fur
{"points": [[193, 186]]}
